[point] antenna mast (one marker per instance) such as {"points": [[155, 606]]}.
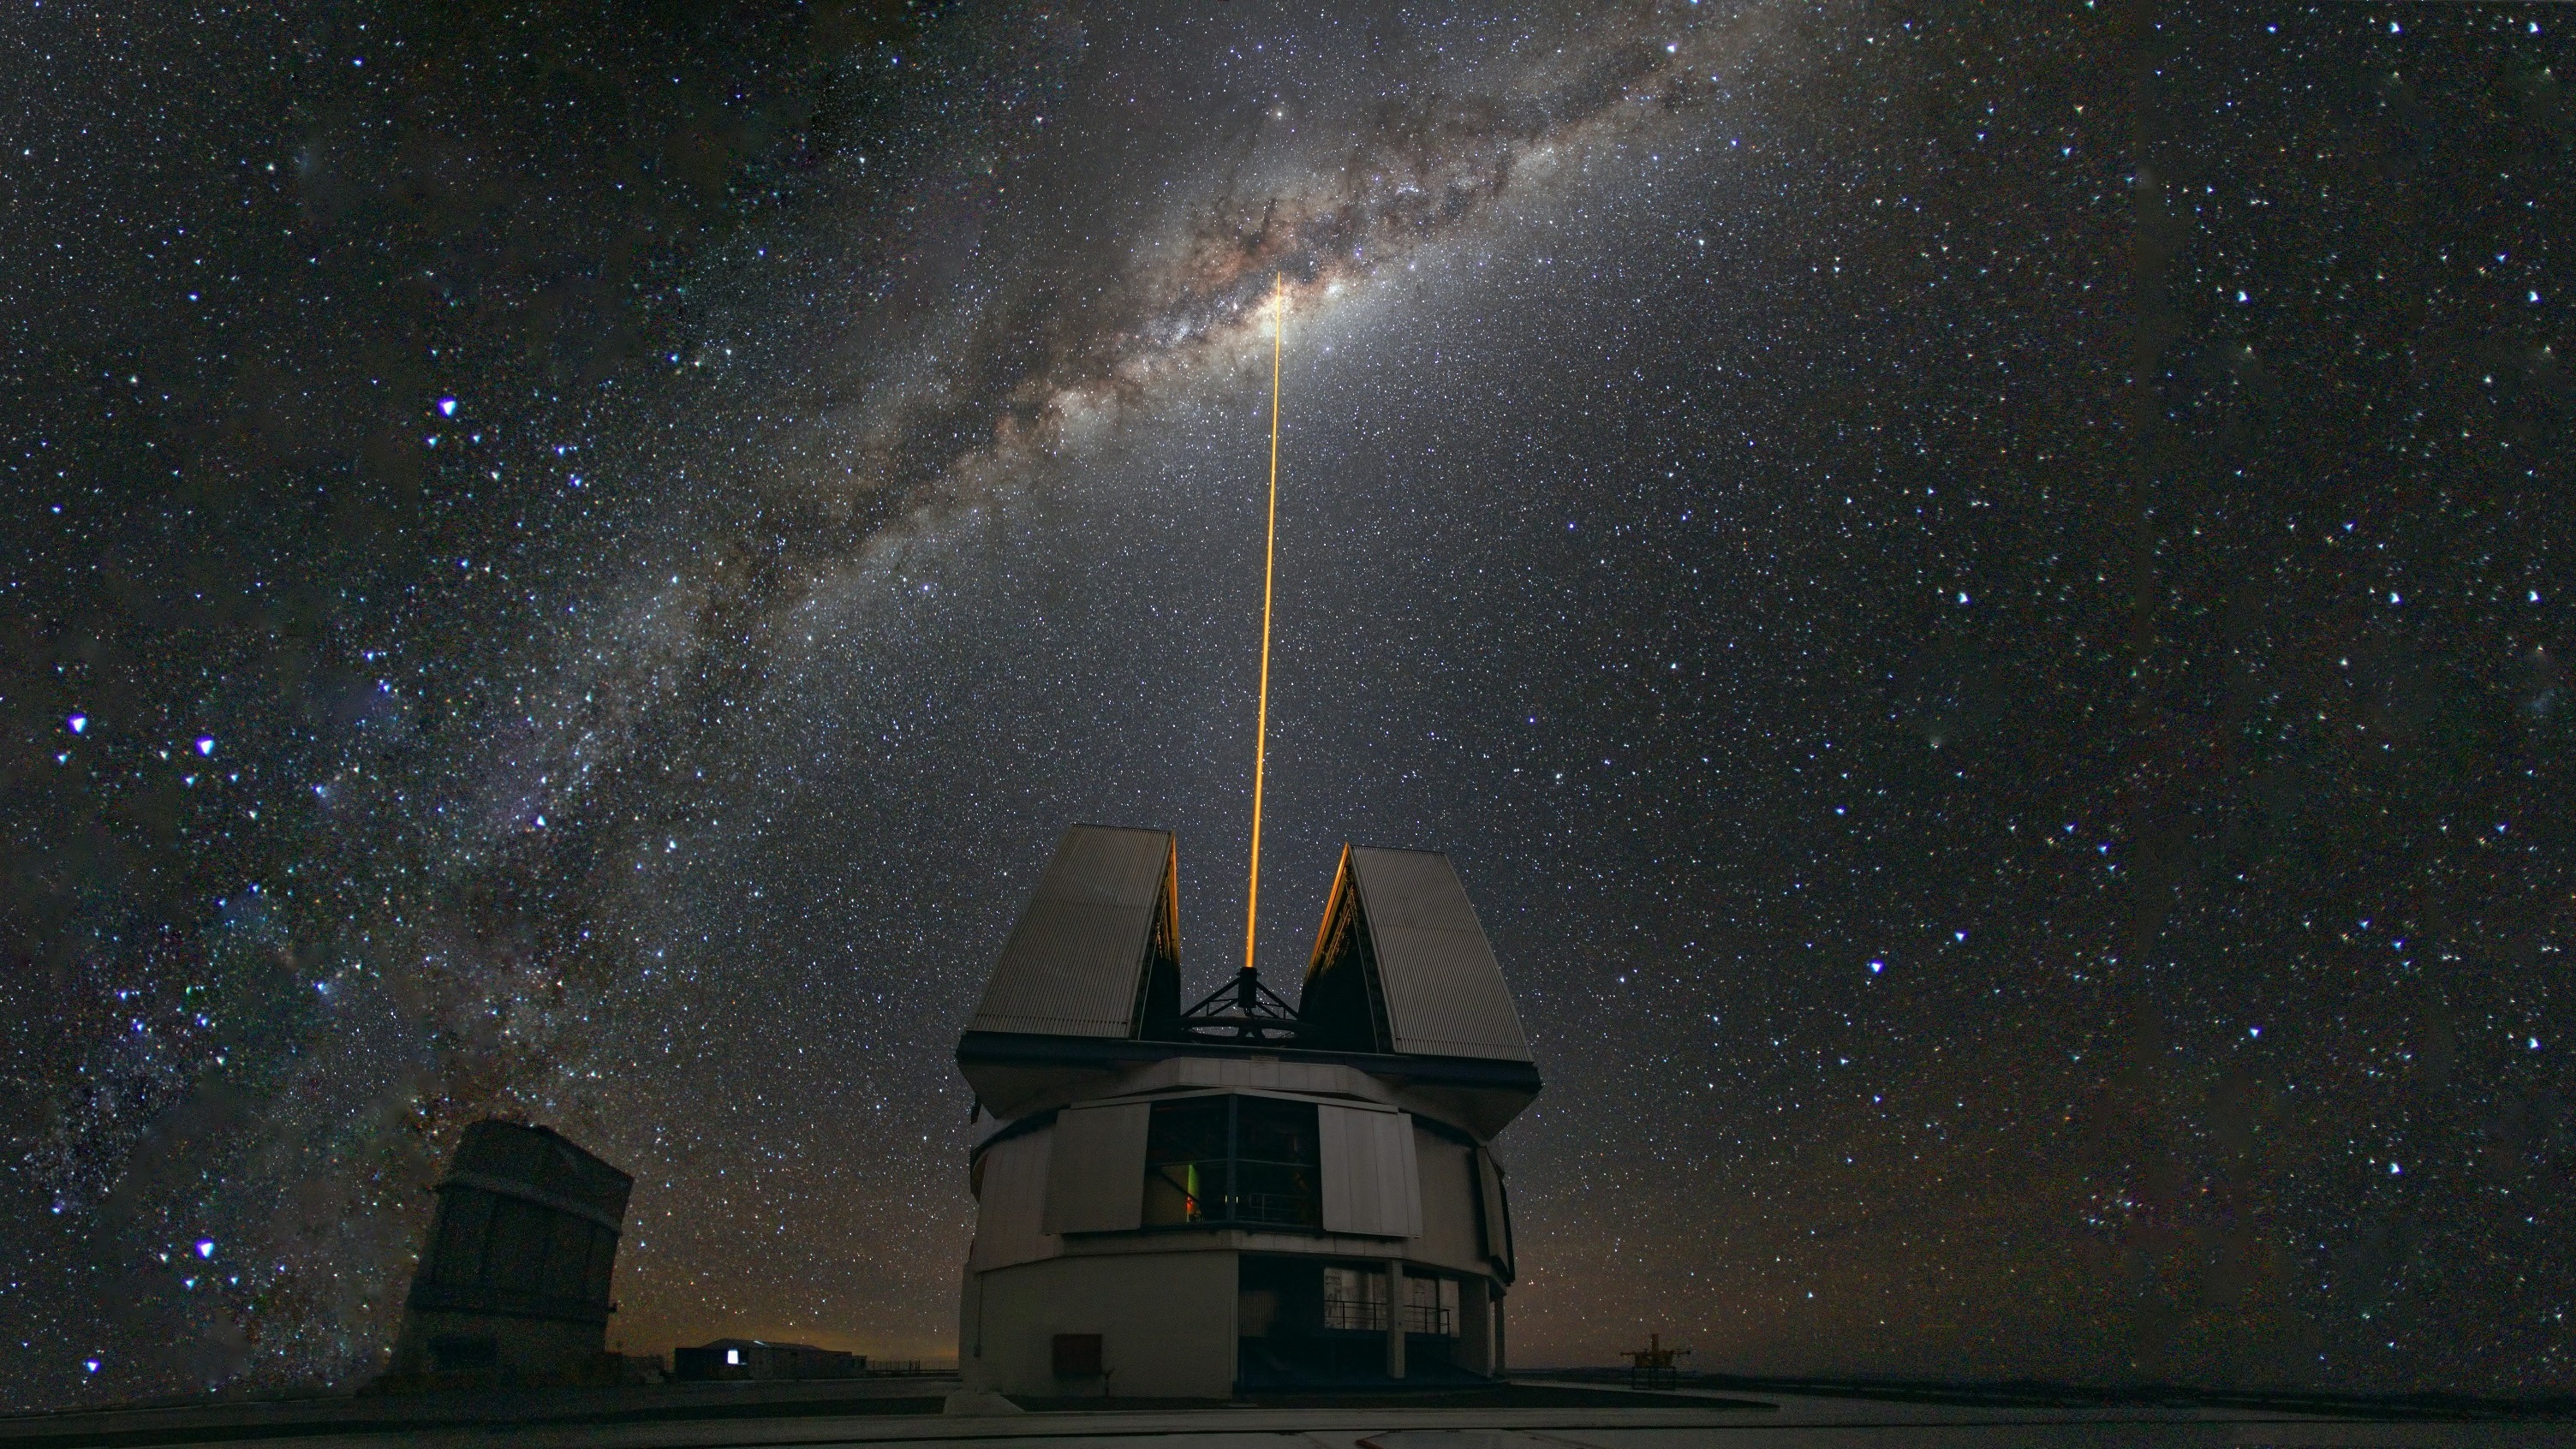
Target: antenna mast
{"points": [[1269, 560]]}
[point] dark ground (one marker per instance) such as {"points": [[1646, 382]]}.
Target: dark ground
{"points": [[504, 1410]]}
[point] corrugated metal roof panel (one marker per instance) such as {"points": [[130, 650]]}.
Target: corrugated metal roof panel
{"points": [[1444, 991], [1072, 964]]}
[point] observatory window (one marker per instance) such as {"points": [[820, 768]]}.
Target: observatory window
{"points": [[1431, 1305], [1355, 1298], [1244, 1161], [1187, 1159]]}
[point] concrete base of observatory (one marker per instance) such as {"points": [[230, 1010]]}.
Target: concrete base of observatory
{"points": [[1157, 1329], [1212, 1324]]}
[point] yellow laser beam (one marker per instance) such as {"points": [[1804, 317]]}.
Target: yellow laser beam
{"points": [[1269, 562]]}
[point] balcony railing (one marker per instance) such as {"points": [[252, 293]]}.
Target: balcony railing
{"points": [[1294, 1210], [1369, 1315], [1300, 1207]]}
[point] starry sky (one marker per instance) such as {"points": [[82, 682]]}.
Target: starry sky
{"points": [[1980, 605]]}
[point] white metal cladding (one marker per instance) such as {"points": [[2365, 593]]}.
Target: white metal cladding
{"points": [[1450, 1209], [1096, 1169], [1070, 967], [1372, 1184], [1444, 992], [1009, 1211]]}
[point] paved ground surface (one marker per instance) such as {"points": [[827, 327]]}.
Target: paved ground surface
{"points": [[1526, 1415]]}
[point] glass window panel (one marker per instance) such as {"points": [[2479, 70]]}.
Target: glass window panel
{"points": [[1185, 1162], [1180, 1193], [1274, 1131], [1278, 1195], [1355, 1298], [1190, 1130], [1254, 1161]]}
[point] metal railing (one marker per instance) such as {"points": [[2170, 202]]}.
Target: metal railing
{"points": [[1212, 1204], [1359, 1313], [1369, 1315], [1295, 1210]]}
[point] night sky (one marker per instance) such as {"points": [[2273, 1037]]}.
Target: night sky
{"points": [[1981, 611]]}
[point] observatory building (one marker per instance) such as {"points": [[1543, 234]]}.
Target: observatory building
{"points": [[759, 1358], [513, 1283], [1243, 1194]]}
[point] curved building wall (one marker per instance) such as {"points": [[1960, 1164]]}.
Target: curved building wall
{"points": [[1078, 1180], [1116, 1224]]}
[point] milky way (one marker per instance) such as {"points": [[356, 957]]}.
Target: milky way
{"points": [[1979, 609]]}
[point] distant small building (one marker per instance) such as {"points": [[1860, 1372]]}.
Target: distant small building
{"points": [[513, 1284], [1242, 1194], [754, 1358]]}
